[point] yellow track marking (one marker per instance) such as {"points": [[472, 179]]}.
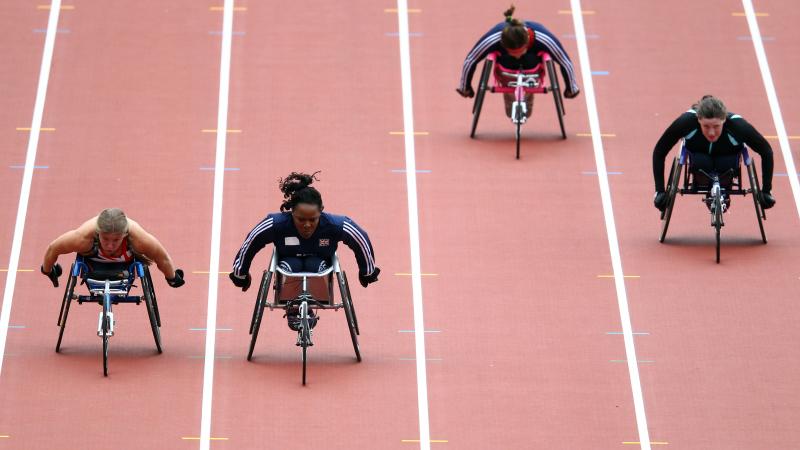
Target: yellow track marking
{"points": [[624, 276], [63, 7], [402, 133], [4, 436], [222, 8], [18, 270], [741, 14], [585, 12], [404, 274], [41, 129], [776, 137], [410, 10], [214, 130], [590, 135]]}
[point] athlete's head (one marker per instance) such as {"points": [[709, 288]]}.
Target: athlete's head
{"points": [[304, 201], [515, 35], [711, 114], [112, 228]]}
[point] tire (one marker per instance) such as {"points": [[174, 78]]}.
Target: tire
{"points": [[258, 311], [557, 98], [152, 311], [717, 222], [755, 188], [350, 314], [519, 135], [483, 86], [304, 364], [672, 191], [350, 301], [69, 291], [104, 326], [153, 295]]}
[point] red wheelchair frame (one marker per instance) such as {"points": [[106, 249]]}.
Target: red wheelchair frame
{"points": [[541, 79]]}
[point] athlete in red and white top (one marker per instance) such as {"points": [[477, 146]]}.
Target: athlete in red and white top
{"points": [[110, 237]]}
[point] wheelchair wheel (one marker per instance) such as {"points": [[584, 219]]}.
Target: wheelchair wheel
{"points": [[69, 291], [717, 221], [349, 313], [152, 311], [350, 301], [755, 188], [305, 336], [672, 191], [104, 326], [483, 86], [258, 311], [557, 98], [519, 133], [153, 295]]}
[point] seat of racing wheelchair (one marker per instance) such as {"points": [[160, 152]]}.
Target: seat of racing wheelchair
{"points": [[289, 286], [108, 271]]}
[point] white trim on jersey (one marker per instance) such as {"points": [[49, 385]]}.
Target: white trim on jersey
{"points": [[559, 55], [363, 243], [474, 56], [261, 227]]}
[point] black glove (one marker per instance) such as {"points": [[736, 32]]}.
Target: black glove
{"points": [[568, 93], [467, 93], [176, 281], [367, 279], [243, 283], [660, 201], [767, 200], [55, 272]]}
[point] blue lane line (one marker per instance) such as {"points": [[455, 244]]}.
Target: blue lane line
{"points": [[750, 38], [411, 331], [601, 72], [589, 172], [641, 333], [204, 329], [44, 30], [410, 34], [18, 327], [783, 174], [219, 33], [227, 168], [588, 36], [22, 166], [417, 171]]}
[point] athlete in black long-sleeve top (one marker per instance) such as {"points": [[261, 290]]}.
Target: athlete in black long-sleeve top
{"points": [[714, 137]]}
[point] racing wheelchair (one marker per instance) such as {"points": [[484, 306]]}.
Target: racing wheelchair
{"points": [[539, 80], [716, 187], [301, 293], [109, 284]]}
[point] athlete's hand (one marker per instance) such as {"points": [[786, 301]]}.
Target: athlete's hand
{"points": [[767, 200], [243, 283], [365, 280], [467, 93], [660, 201], [176, 281], [54, 273]]}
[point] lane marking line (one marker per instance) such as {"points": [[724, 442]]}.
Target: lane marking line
{"points": [[744, 14], [601, 72], [432, 441], [404, 274], [21, 166], [624, 276], [203, 356], [772, 96], [426, 359], [635, 333], [583, 12], [61, 7], [590, 134], [206, 272], [641, 361], [750, 38], [204, 329], [416, 133], [611, 227], [414, 331], [27, 176], [222, 8], [4, 436], [404, 171], [228, 169], [413, 225], [31, 128], [44, 30], [411, 34], [651, 443], [792, 138], [17, 327], [409, 10], [216, 224], [18, 270], [591, 172], [192, 438], [214, 130], [219, 33], [588, 36]]}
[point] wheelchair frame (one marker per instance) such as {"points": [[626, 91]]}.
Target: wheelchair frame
{"points": [[107, 293], [713, 191], [542, 79], [305, 301]]}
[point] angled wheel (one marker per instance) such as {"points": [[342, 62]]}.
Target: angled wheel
{"points": [[258, 311], [755, 188], [672, 191], [349, 313], [519, 133], [557, 98], [105, 327], [305, 336], [152, 310], [350, 301], [483, 86], [717, 221], [152, 295], [69, 291]]}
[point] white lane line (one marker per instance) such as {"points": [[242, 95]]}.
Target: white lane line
{"points": [[413, 226], [27, 175], [772, 96], [611, 228], [216, 225]]}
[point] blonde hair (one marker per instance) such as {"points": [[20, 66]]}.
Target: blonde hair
{"points": [[112, 220]]}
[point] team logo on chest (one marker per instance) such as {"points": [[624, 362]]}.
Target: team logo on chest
{"points": [[324, 242]]}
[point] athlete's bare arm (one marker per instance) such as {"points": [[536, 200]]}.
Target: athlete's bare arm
{"points": [[78, 240], [147, 245]]}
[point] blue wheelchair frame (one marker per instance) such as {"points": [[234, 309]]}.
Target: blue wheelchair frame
{"points": [[107, 288]]}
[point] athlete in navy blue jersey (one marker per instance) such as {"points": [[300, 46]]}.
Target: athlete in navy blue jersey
{"points": [[714, 137], [519, 44], [305, 238]]}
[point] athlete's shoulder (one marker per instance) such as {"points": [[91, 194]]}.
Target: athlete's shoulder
{"points": [[279, 217], [334, 220]]}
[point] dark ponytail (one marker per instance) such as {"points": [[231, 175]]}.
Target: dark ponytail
{"points": [[515, 34], [297, 189]]}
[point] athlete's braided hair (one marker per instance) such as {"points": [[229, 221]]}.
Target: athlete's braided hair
{"points": [[515, 34], [710, 107], [297, 189]]}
